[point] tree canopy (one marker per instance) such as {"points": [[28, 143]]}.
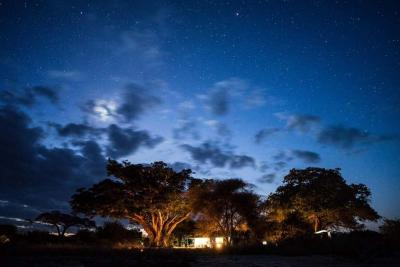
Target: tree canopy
{"points": [[62, 221], [226, 207], [154, 196], [322, 198]]}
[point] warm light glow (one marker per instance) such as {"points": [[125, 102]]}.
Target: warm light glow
{"points": [[219, 242], [202, 242], [206, 242]]}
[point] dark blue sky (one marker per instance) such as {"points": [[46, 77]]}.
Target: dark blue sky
{"points": [[243, 89]]}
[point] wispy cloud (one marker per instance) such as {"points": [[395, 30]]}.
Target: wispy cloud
{"points": [[267, 178], [30, 96], [299, 122], [263, 134], [307, 156], [142, 45], [214, 154], [348, 137], [221, 95]]}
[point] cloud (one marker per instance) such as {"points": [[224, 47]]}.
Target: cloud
{"points": [[307, 156], [104, 110], [264, 166], [300, 122], [37, 175], [191, 128], [125, 141], [255, 98], [186, 129], [223, 93], [29, 96], [74, 76], [121, 141], [348, 137], [92, 152], [281, 160], [179, 166], [76, 129], [46, 92], [135, 101], [264, 134], [282, 156], [267, 178], [143, 45], [187, 105], [209, 152], [221, 128], [219, 101], [280, 165], [196, 169]]}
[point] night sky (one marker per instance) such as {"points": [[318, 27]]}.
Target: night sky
{"points": [[245, 89]]}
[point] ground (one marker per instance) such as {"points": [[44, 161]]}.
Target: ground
{"points": [[98, 258]]}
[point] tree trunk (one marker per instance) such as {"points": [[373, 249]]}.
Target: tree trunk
{"points": [[316, 223], [58, 229], [158, 227]]}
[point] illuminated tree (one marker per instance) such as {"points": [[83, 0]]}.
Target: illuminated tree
{"points": [[154, 196], [62, 221], [228, 206], [322, 198], [290, 226]]}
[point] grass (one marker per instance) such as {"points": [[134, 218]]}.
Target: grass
{"points": [[74, 255]]}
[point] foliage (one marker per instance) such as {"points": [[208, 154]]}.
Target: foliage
{"points": [[292, 226], [154, 196], [226, 207], [322, 198], [62, 221]]}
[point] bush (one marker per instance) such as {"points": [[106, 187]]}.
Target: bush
{"points": [[116, 232], [86, 236], [4, 239], [9, 230]]}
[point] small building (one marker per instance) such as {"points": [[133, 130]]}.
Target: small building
{"points": [[208, 242]]}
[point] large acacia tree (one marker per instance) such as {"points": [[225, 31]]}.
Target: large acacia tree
{"points": [[154, 196], [322, 198]]}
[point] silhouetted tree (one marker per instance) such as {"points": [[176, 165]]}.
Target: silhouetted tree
{"points": [[228, 206], [154, 196], [63, 221], [322, 198]]}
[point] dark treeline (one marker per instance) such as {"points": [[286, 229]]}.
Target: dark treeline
{"points": [[313, 211]]}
